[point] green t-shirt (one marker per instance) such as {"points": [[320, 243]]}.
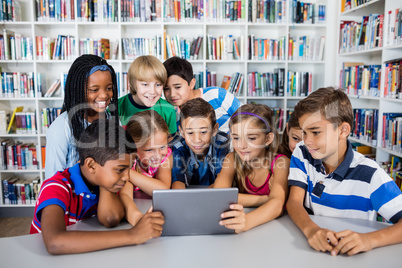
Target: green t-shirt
{"points": [[128, 107]]}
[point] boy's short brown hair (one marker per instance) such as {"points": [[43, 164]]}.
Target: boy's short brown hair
{"points": [[146, 68], [333, 104], [198, 107]]}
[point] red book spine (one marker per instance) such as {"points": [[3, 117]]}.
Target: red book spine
{"points": [[19, 160]]}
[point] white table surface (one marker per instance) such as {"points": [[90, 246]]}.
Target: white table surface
{"points": [[278, 243]]}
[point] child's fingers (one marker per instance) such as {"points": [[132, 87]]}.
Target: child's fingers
{"points": [[150, 209], [238, 207]]}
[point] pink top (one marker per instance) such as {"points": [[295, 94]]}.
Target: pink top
{"points": [[151, 170], [264, 188]]}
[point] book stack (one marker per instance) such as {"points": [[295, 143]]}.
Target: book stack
{"points": [[140, 10], [55, 10], [17, 85], [365, 125], [266, 48], [13, 46], [25, 123], [271, 11], [393, 79], [233, 83], [18, 191], [18, 156], [357, 36], [306, 48], [184, 48], [48, 115], [96, 46], [266, 84], [98, 11], [225, 47], [359, 79], [392, 131], [184, 11], [10, 10], [307, 13], [299, 84], [135, 47], [394, 30]]}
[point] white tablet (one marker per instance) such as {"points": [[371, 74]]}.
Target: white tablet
{"points": [[194, 211]]}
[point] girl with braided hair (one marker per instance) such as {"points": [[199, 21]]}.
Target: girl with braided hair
{"points": [[90, 88]]}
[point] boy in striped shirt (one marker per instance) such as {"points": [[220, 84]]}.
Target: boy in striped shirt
{"points": [[180, 88], [328, 178], [90, 188]]}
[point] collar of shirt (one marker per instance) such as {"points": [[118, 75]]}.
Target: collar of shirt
{"points": [[193, 157], [343, 168], [80, 187]]}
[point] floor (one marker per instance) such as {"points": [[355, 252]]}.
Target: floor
{"points": [[15, 226]]}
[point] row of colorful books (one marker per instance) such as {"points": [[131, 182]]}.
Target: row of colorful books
{"points": [[365, 125], [10, 10], [183, 47], [135, 47], [267, 11], [233, 83], [18, 155], [359, 79], [307, 48], [199, 79], [140, 11], [48, 115], [350, 4], [394, 30], [299, 84], [308, 13], [210, 77], [266, 48], [18, 191], [55, 10], [17, 85], [266, 84], [225, 47], [392, 131], [357, 36], [25, 123], [13, 46], [98, 11], [100, 47], [393, 79], [183, 11]]}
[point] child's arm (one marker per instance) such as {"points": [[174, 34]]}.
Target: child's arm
{"points": [[351, 243], [316, 236], [133, 215], [178, 185], [226, 176], [250, 200], [162, 180], [60, 241], [110, 208], [273, 208]]}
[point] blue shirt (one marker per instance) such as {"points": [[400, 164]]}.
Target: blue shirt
{"points": [[191, 171], [357, 188]]}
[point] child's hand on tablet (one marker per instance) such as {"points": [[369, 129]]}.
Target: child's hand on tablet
{"points": [[234, 219]]}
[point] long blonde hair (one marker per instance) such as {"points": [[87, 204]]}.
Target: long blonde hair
{"points": [[262, 117]]}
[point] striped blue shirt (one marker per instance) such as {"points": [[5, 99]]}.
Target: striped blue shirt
{"points": [[357, 188], [225, 105]]}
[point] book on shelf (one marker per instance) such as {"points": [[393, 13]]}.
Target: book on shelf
{"points": [[226, 82], [11, 126], [48, 115], [392, 131], [299, 84], [184, 48], [55, 10], [393, 79], [25, 123], [309, 48], [359, 79], [225, 47], [350, 4], [53, 88], [17, 85], [307, 13], [199, 79], [10, 10], [266, 48], [271, 11], [18, 155], [365, 125], [266, 84], [394, 30], [18, 191], [233, 83], [135, 47]]}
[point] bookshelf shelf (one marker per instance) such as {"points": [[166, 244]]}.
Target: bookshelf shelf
{"points": [[20, 171], [391, 152], [362, 142], [14, 206], [116, 30], [373, 57]]}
